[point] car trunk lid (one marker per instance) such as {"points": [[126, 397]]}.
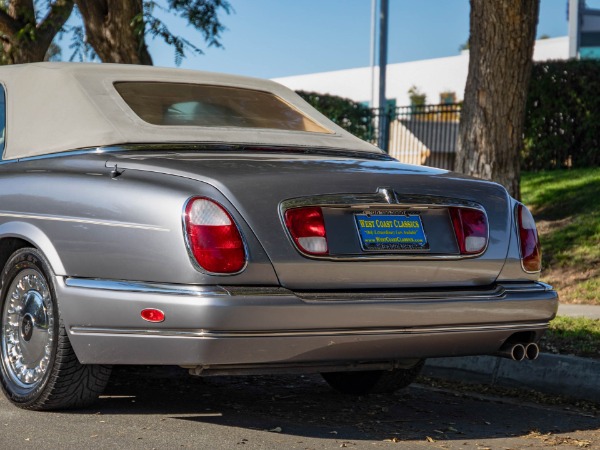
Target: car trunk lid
{"points": [[263, 185]]}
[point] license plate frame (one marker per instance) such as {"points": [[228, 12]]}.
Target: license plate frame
{"points": [[391, 231]]}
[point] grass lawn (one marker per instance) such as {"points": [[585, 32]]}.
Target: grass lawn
{"points": [[573, 335], [566, 205]]}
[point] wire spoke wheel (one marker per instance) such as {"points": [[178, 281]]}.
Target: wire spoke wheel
{"points": [[27, 329], [38, 367]]}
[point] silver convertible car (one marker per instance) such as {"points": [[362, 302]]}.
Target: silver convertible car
{"points": [[218, 223]]}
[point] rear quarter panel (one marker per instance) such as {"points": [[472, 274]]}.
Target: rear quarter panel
{"points": [[126, 228]]}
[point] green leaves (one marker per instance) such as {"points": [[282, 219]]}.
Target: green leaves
{"points": [[200, 14], [354, 117], [562, 123]]}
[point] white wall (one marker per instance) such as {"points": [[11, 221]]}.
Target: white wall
{"points": [[431, 76]]}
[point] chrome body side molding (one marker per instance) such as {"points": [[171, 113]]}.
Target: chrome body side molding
{"points": [[139, 286], [213, 334], [80, 220]]}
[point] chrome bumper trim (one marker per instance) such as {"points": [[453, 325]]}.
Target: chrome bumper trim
{"points": [[138, 286], [496, 292], [208, 334]]}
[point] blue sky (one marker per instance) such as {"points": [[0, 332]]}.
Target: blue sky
{"points": [[274, 38]]}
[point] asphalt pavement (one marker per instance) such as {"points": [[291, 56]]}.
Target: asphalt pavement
{"points": [[164, 408]]}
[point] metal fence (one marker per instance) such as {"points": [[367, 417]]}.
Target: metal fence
{"points": [[418, 134]]}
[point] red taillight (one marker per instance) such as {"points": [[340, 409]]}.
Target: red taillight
{"points": [[307, 227], [213, 237], [153, 315], [531, 253], [471, 229]]}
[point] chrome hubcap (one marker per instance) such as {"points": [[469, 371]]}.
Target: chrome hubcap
{"points": [[27, 329]]}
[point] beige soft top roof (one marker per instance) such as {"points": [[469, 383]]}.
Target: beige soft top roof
{"points": [[56, 107]]}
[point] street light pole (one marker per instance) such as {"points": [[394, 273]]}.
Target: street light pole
{"points": [[373, 49], [383, 115], [575, 7]]}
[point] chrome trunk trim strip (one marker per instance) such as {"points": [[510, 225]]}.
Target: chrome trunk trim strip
{"points": [[215, 334], [384, 197]]}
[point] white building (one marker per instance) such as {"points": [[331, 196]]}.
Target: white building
{"points": [[430, 76]]}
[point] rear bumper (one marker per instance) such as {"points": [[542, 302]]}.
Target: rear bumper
{"points": [[222, 326]]}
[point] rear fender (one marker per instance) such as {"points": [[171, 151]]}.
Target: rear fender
{"points": [[30, 233]]}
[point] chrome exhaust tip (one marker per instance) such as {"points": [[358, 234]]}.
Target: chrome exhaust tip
{"points": [[532, 351], [516, 352]]}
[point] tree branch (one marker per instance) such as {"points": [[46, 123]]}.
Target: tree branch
{"points": [[94, 11], [55, 19], [8, 25]]}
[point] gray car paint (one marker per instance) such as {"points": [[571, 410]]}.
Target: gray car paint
{"points": [[256, 184], [111, 228], [118, 216]]}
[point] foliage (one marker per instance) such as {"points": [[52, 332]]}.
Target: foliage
{"points": [[579, 336], [202, 15], [417, 97], [562, 125], [448, 98], [354, 117], [81, 50], [54, 53], [28, 27], [565, 204]]}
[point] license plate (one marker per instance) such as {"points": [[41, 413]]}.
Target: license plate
{"points": [[391, 232]]}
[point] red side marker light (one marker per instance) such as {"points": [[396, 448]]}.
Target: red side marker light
{"points": [[153, 315]]}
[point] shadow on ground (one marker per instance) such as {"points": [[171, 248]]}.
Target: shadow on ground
{"points": [[305, 406]]}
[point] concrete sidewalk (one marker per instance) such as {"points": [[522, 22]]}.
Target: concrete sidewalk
{"points": [[591, 311], [554, 374]]}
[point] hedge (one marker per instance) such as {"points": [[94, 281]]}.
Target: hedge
{"points": [[562, 118], [562, 123], [348, 114]]}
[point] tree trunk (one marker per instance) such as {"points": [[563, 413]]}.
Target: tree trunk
{"points": [[23, 39], [114, 28], [491, 126]]}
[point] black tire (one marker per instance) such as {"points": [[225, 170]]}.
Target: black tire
{"points": [[38, 368], [372, 381]]}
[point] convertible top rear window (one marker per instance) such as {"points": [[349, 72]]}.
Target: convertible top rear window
{"points": [[176, 104]]}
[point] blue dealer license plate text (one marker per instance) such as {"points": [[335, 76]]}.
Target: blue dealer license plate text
{"points": [[391, 232]]}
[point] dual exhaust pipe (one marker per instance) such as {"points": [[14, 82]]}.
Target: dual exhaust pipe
{"points": [[519, 351]]}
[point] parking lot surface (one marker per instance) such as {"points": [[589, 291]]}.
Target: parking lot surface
{"points": [[163, 408]]}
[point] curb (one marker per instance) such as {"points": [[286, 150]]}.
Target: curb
{"points": [[570, 376]]}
